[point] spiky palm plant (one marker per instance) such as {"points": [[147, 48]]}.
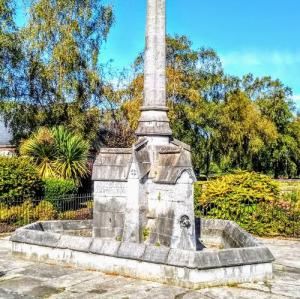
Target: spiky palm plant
{"points": [[58, 153], [72, 154], [41, 148]]}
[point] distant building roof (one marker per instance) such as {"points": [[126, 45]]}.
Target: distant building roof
{"points": [[5, 136]]}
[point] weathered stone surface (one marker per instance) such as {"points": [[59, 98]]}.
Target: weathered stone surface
{"points": [[53, 226], [256, 255], [137, 268], [213, 224], [171, 166], [62, 225], [230, 257], [206, 260], [155, 73], [111, 203], [34, 226], [119, 219], [156, 166], [76, 225], [175, 257], [105, 247], [108, 216], [69, 282], [156, 254], [104, 232], [182, 258], [237, 237], [104, 219], [36, 237], [226, 233], [74, 243], [131, 250], [112, 165]]}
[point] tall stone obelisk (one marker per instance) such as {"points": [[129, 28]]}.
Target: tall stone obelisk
{"points": [[145, 193], [154, 121]]}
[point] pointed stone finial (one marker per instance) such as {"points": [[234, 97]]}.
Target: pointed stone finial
{"points": [[154, 120]]}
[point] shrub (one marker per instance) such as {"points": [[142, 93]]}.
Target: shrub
{"points": [[19, 180], [59, 192], [80, 214], [17, 215], [89, 204], [68, 215], [251, 199], [27, 212], [293, 198], [44, 211], [240, 187]]}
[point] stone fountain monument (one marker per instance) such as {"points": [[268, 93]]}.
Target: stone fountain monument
{"points": [[149, 187], [143, 224]]}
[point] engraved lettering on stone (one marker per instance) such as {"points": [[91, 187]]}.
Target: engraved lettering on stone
{"points": [[110, 188]]}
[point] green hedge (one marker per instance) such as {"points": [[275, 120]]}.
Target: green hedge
{"points": [[252, 200], [59, 192], [19, 180]]}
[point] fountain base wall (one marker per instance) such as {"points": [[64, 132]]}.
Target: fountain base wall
{"points": [[246, 261]]}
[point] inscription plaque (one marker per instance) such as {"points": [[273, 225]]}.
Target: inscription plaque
{"points": [[110, 188]]}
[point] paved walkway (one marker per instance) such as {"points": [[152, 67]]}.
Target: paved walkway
{"points": [[26, 279]]}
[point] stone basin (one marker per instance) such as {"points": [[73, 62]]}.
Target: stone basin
{"points": [[230, 255]]}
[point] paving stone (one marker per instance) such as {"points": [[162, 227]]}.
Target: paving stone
{"points": [[76, 278], [44, 291], [31, 280], [70, 295], [105, 282], [45, 271], [21, 284], [238, 293], [4, 294], [192, 295]]}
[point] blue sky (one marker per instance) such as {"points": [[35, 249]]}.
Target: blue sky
{"points": [[258, 36]]}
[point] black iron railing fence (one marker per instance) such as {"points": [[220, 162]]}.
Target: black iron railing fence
{"points": [[260, 218], [18, 212]]}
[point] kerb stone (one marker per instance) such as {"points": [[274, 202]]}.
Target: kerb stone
{"points": [[36, 237], [131, 250], [105, 247], [74, 243], [156, 254]]}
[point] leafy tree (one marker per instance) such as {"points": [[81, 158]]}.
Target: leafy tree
{"points": [[229, 122], [244, 131], [61, 71], [57, 153], [10, 53], [190, 77], [279, 157], [50, 75]]}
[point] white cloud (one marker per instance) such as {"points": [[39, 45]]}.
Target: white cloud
{"points": [[296, 97], [252, 58]]}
